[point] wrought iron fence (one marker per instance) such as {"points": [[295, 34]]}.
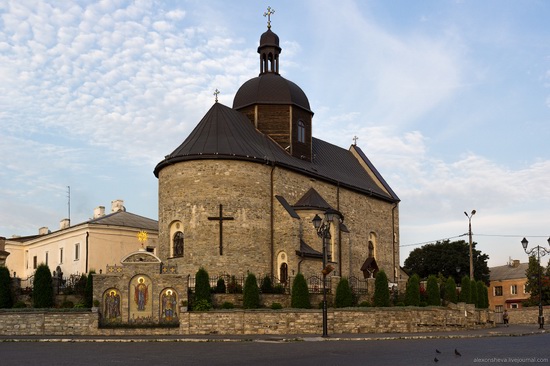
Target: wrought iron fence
{"points": [[359, 286]]}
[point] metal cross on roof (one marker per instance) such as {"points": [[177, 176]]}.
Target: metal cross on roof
{"points": [[216, 92], [355, 138], [268, 14]]}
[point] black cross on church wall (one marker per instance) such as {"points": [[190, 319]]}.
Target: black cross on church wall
{"points": [[220, 218]]}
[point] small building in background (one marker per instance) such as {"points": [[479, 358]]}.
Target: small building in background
{"points": [[507, 286]]}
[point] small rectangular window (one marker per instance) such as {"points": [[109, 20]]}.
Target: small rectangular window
{"points": [[60, 255], [47, 258], [77, 251], [514, 305], [514, 289], [34, 262], [498, 309], [498, 290]]}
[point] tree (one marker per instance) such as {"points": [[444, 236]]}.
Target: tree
{"points": [[267, 286], [344, 296], [445, 257], [6, 295], [432, 289], [412, 293], [42, 294], [381, 290], [300, 293], [89, 290], [450, 290], [251, 293], [465, 290], [532, 286], [202, 286], [473, 293], [481, 295]]}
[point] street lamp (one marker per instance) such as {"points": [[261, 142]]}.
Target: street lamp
{"points": [[322, 226], [470, 236], [541, 252]]}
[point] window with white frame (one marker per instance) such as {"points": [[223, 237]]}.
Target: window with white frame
{"points": [[514, 289], [77, 251], [497, 291]]}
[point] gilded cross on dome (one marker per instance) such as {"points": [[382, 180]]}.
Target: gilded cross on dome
{"points": [[216, 92], [268, 14]]}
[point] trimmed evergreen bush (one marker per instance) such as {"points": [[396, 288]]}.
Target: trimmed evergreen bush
{"points": [[6, 295], [80, 286], [267, 286], [251, 293], [89, 291], [412, 293], [300, 293], [473, 293], [344, 296], [42, 294], [432, 289], [450, 290], [465, 290], [480, 286], [276, 306], [202, 287], [381, 290], [220, 286]]}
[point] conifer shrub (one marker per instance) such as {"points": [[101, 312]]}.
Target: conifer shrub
{"points": [[220, 286], [450, 290], [381, 290], [251, 293], [432, 290], [473, 293], [89, 290], [465, 289], [267, 285], [202, 287], [300, 293], [42, 294], [412, 293], [80, 285], [344, 295], [480, 287], [6, 294]]}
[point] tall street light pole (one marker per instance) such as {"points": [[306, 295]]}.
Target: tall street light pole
{"points": [[541, 252], [470, 237], [323, 231]]}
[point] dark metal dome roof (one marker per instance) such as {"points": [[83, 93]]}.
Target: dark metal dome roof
{"points": [[269, 38], [270, 88]]}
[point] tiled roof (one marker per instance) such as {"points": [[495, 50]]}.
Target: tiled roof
{"points": [[126, 219], [508, 272], [224, 133]]}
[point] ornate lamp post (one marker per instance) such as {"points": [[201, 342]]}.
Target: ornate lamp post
{"points": [[541, 252], [323, 231], [470, 237]]}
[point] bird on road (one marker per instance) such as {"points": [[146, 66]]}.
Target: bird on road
{"points": [[457, 353], [435, 359], [437, 351]]}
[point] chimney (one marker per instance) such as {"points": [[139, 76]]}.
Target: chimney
{"points": [[99, 211], [117, 205], [515, 263], [43, 230], [64, 224]]}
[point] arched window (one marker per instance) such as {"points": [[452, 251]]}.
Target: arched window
{"points": [[178, 244], [301, 131], [371, 248], [283, 273]]}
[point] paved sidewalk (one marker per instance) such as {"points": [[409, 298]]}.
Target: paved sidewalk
{"points": [[514, 330]]}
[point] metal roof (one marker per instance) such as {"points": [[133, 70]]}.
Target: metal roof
{"points": [[224, 133], [126, 219], [508, 272]]}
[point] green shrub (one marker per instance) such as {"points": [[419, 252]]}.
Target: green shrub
{"points": [[423, 304], [400, 303], [300, 293], [412, 293], [473, 293], [220, 286], [89, 290], [80, 286], [344, 296], [228, 305], [80, 305], [465, 290], [202, 305], [450, 290], [42, 295], [381, 290], [267, 286], [276, 306], [251, 293], [233, 287], [202, 286], [6, 294], [432, 289], [278, 289], [19, 305], [481, 294], [67, 304], [364, 304]]}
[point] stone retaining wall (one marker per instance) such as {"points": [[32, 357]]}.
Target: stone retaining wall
{"points": [[238, 321], [528, 315]]}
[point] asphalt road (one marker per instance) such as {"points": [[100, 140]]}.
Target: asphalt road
{"points": [[534, 349]]}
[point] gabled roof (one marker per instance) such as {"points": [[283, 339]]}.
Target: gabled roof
{"points": [[307, 251], [311, 200], [224, 133], [508, 272], [127, 219]]}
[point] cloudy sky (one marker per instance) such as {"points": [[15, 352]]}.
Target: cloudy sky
{"points": [[450, 100]]}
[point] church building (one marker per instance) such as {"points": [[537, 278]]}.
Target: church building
{"points": [[241, 191]]}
